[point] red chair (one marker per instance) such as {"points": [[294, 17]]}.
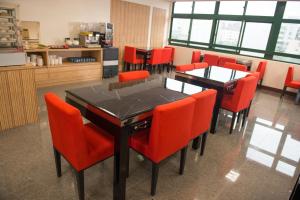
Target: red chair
{"points": [[204, 106], [261, 69], [223, 60], [211, 59], [156, 58], [289, 82], [182, 68], [196, 57], [235, 66], [130, 58], [167, 58], [239, 101], [200, 65], [173, 54], [170, 132], [133, 76], [81, 145]]}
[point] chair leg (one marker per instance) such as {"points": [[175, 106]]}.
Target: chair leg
{"points": [[203, 143], [238, 117], [248, 109], [128, 159], [182, 160], [57, 162], [196, 142], [283, 91], [260, 84], [244, 116], [232, 122], [80, 183], [155, 169]]}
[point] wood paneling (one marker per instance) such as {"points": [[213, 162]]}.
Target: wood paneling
{"points": [[158, 27], [18, 99], [131, 24]]}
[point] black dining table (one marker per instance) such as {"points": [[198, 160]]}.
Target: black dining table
{"points": [[219, 78], [122, 109], [145, 53]]}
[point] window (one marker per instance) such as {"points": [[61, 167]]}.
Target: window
{"points": [[231, 7], [180, 29], [204, 7], [183, 7], [201, 30], [292, 10], [228, 32], [254, 39], [264, 29], [289, 39], [261, 8]]}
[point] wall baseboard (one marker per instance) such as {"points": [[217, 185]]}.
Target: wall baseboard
{"points": [[277, 90]]}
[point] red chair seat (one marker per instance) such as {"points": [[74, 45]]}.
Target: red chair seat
{"points": [[200, 65], [294, 84], [140, 142], [134, 75], [227, 102], [182, 68], [139, 61], [100, 145]]}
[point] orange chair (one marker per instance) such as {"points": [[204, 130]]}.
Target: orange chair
{"points": [[200, 65], [156, 59], [130, 58], [223, 60], [134, 75], [182, 68], [261, 69], [211, 59], [289, 82], [204, 106], [167, 58], [196, 57], [81, 145], [240, 100], [170, 132], [235, 66], [173, 54]]}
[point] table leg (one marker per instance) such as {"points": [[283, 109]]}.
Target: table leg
{"points": [[145, 61], [297, 101], [120, 164], [214, 122]]}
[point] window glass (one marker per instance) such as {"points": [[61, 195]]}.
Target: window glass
{"points": [[180, 29], [262, 8], [256, 35], [228, 32], [289, 39], [201, 30], [292, 10], [183, 7], [250, 53], [287, 59], [204, 7], [232, 7]]}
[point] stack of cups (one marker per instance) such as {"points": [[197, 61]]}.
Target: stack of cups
{"points": [[55, 60]]}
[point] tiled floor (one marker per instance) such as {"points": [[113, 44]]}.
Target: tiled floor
{"points": [[260, 161]]}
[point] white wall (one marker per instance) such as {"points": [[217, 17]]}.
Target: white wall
{"points": [[274, 75], [56, 16]]}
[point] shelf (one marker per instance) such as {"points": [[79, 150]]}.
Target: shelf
{"points": [[68, 64], [8, 41], [75, 49], [7, 17], [36, 50]]}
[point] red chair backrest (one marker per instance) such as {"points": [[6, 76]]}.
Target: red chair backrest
{"points": [[133, 75], [156, 56], [182, 68], [173, 52], [171, 128], [130, 54], [211, 59], [235, 66], [289, 75], [196, 57], [244, 93], [200, 65], [223, 60], [66, 127], [204, 106], [261, 69], [166, 55]]}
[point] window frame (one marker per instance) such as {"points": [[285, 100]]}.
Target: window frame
{"points": [[269, 52]]}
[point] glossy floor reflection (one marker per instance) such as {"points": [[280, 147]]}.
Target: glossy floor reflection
{"points": [[260, 161]]}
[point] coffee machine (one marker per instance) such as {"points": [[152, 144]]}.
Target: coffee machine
{"points": [[106, 35], [89, 39]]}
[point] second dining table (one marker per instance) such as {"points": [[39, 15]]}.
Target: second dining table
{"points": [[124, 108], [214, 77]]}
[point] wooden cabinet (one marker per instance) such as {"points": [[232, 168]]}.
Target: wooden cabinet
{"points": [[18, 98]]}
